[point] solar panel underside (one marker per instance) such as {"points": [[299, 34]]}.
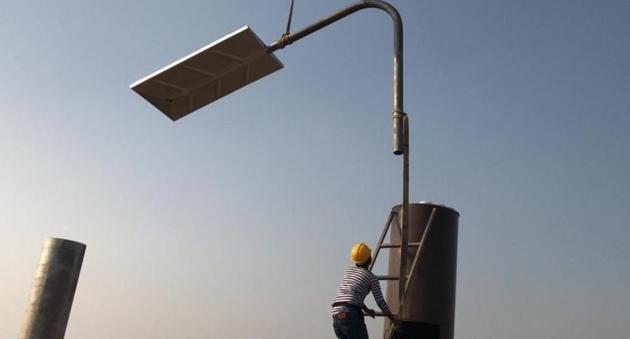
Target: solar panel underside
{"points": [[208, 74]]}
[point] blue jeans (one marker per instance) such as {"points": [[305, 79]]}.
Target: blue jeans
{"points": [[352, 327]]}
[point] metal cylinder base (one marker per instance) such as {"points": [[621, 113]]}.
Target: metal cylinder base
{"points": [[429, 307], [53, 290]]}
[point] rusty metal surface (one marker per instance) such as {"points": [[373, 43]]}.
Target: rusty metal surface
{"points": [[430, 300]]}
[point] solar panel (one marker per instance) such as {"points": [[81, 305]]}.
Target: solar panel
{"points": [[208, 74]]}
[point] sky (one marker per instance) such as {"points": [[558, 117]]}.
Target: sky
{"points": [[236, 221]]}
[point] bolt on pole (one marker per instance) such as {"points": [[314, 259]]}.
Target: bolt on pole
{"points": [[56, 279]]}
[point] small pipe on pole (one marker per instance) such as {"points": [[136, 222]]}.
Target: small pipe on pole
{"points": [[56, 279]]}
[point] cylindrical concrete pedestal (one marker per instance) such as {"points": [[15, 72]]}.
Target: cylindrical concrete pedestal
{"points": [[53, 290], [429, 308]]}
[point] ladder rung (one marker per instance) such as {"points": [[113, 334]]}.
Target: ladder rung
{"points": [[388, 277], [377, 314], [398, 245]]}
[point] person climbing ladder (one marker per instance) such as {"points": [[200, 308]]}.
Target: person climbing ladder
{"points": [[348, 305]]}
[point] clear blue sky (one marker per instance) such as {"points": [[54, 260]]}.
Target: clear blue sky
{"points": [[235, 222]]}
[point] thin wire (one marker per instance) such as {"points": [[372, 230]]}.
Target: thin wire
{"points": [[289, 20]]}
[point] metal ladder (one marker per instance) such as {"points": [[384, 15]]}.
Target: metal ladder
{"points": [[404, 279]]}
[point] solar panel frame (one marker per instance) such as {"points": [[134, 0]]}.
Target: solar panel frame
{"points": [[208, 74]]}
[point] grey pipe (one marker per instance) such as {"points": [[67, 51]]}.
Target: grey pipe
{"points": [[56, 279]]}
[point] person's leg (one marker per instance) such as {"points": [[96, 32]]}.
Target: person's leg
{"points": [[338, 327], [362, 331], [355, 329]]}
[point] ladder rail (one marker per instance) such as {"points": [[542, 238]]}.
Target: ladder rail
{"points": [[416, 258], [392, 214], [403, 277]]}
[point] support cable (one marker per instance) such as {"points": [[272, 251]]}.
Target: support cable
{"points": [[287, 32]]}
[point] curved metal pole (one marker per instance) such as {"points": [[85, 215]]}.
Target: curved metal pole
{"points": [[400, 119], [398, 112]]}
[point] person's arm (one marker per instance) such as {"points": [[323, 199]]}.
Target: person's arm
{"points": [[368, 310], [380, 301]]}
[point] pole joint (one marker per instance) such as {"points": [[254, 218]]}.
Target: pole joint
{"points": [[398, 130]]}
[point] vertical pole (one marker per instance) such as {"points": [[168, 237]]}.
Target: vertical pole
{"points": [[404, 241], [53, 290]]}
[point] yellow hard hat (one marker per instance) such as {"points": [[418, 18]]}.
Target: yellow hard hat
{"points": [[360, 253]]}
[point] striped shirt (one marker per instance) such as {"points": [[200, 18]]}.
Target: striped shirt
{"points": [[355, 286]]}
